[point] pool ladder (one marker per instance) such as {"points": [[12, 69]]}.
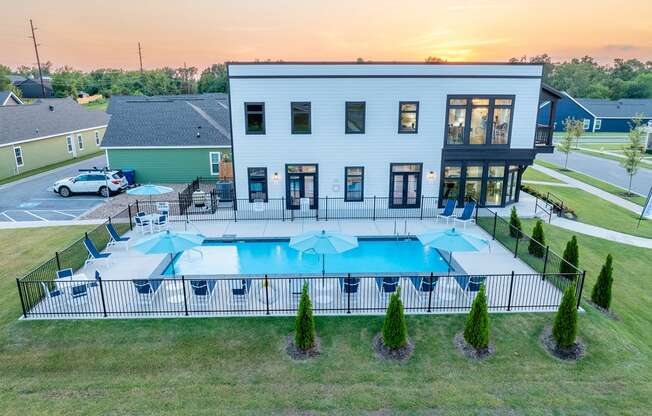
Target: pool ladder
{"points": [[405, 230]]}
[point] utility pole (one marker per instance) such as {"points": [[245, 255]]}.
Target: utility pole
{"points": [[140, 56], [38, 60], [185, 77]]}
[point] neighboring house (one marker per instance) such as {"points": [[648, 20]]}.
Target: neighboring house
{"points": [[31, 87], [9, 98], [600, 115], [168, 139], [45, 132], [400, 132]]}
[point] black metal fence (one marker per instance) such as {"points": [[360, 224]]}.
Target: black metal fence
{"points": [[279, 294]]}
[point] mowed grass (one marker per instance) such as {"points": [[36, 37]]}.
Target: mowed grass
{"points": [[98, 105], [237, 366], [534, 175]]}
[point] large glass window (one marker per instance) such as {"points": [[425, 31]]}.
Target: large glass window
{"points": [[495, 180], [300, 118], [355, 117], [473, 184], [80, 141], [255, 118], [354, 179], [69, 144], [257, 184], [452, 175], [456, 121], [479, 117], [479, 120], [501, 122], [408, 118]]}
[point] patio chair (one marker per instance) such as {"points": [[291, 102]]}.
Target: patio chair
{"points": [[387, 285], [241, 290], [50, 293], [350, 287], [161, 223], [424, 284], [259, 205], [78, 294], [470, 284], [115, 238], [96, 282], [202, 289], [64, 273], [467, 214], [163, 208], [93, 254], [142, 225], [449, 210], [146, 289]]}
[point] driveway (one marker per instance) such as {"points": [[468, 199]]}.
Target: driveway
{"points": [[30, 200], [603, 169]]}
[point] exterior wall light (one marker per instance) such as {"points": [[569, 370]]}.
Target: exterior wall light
{"points": [[275, 177], [431, 176]]}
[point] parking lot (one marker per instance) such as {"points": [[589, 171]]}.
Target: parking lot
{"points": [[32, 199]]}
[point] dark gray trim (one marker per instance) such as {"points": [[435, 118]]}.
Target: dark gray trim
{"points": [[485, 153], [292, 127], [467, 120], [445, 63], [346, 198], [246, 112], [388, 76], [287, 183], [235, 182], [416, 124], [390, 202], [249, 183], [346, 117]]}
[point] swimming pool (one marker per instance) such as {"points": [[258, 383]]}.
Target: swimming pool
{"points": [[276, 257]]}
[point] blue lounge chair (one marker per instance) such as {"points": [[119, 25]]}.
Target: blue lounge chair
{"points": [[467, 214], [93, 254], [50, 293], [387, 285], [241, 290], [146, 289], [64, 273], [424, 284], [115, 237], [470, 284], [78, 293], [96, 282], [349, 284], [449, 210], [203, 289]]}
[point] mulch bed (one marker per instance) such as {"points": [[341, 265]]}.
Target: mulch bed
{"points": [[469, 351], [300, 355], [572, 354], [604, 311], [386, 353]]}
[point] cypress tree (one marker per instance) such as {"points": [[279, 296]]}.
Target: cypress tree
{"points": [[601, 293], [564, 330], [476, 330], [395, 328], [516, 228], [304, 337], [538, 241], [571, 255]]}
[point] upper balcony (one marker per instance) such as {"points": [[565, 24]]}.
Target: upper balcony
{"points": [[546, 119]]}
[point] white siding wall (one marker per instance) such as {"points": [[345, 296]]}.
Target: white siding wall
{"points": [[332, 149]]}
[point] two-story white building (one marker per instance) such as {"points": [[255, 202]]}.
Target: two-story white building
{"points": [[400, 132]]}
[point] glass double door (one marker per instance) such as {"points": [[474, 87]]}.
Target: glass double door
{"points": [[405, 186], [301, 185]]}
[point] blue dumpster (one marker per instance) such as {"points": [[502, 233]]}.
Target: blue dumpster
{"points": [[130, 174]]}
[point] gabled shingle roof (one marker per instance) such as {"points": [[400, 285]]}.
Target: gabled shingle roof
{"points": [[8, 98], [623, 108], [31, 121], [167, 121]]}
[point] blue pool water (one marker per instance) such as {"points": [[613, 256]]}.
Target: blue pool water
{"points": [[276, 257]]}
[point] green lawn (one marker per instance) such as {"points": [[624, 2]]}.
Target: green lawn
{"points": [[48, 167], [534, 175], [237, 366], [99, 105]]}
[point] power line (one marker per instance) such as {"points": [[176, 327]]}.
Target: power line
{"points": [[38, 60]]}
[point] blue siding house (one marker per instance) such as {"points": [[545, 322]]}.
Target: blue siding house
{"points": [[599, 115]]}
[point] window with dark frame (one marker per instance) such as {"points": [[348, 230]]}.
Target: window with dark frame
{"points": [[300, 117], [408, 116], [354, 183], [257, 184], [473, 182], [479, 120], [18, 153], [495, 181], [452, 176], [355, 117], [254, 118]]}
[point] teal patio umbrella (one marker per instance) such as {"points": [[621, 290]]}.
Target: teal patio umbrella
{"points": [[169, 242], [452, 240], [150, 190], [323, 242]]}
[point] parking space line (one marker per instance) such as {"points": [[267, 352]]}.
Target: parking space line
{"points": [[40, 218], [10, 219], [63, 213]]}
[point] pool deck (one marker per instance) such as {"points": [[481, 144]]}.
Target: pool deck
{"points": [[126, 265]]}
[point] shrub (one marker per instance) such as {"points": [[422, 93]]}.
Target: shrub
{"points": [[572, 257], [515, 222], [395, 328], [537, 241], [564, 330], [304, 337], [476, 330], [601, 293]]}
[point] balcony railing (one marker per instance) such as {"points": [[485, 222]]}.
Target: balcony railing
{"points": [[543, 136]]}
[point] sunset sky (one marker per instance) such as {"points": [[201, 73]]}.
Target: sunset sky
{"points": [[93, 34]]}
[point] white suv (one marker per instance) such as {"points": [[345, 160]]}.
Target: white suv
{"points": [[92, 181]]}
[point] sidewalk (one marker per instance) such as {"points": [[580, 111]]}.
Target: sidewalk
{"points": [[590, 189], [603, 233]]}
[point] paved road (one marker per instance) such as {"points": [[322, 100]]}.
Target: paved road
{"points": [[30, 200], [604, 169]]}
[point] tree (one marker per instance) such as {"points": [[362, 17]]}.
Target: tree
{"points": [[394, 327], [476, 330], [515, 229], [213, 79], [304, 336], [564, 329], [538, 241], [572, 257], [601, 293], [634, 150], [566, 144]]}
